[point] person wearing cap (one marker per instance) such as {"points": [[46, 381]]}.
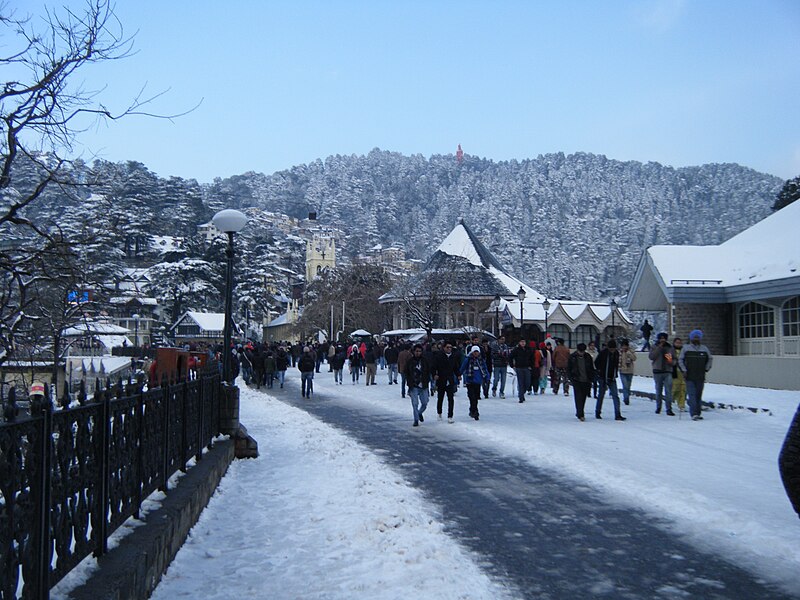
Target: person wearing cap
{"points": [[475, 374], [306, 366], [581, 375], [662, 360], [695, 361]]}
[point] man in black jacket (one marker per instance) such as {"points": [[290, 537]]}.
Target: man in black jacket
{"points": [[306, 365], [607, 365], [417, 375], [445, 371], [581, 374], [521, 360]]}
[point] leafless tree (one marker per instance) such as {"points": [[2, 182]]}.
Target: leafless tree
{"points": [[44, 107], [426, 294]]}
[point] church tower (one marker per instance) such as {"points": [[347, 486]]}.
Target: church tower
{"points": [[320, 255]]}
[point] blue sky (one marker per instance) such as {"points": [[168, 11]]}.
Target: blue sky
{"points": [[680, 82]]}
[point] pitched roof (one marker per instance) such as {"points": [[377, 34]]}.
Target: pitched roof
{"points": [[763, 255]]}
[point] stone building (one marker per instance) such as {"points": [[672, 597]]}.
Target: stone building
{"points": [[320, 255], [744, 293]]}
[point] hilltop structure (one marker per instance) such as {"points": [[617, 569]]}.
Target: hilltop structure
{"points": [[473, 290]]}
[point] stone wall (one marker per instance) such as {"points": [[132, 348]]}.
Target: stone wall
{"points": [[132, 570], [713, 319]]}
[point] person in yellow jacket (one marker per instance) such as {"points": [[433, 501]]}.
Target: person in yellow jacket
{"points": [[678, 380]]}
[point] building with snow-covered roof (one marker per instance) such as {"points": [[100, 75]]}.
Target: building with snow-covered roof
{"points": [[194, 327], [744, 294], [472, 289]]}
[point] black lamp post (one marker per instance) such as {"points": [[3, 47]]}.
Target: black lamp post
{"points": [[546, 307], [497, 314], [521, 297], [613, 305], [228, 221], [136, 318]]}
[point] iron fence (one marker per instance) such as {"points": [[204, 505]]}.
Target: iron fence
{"points": [[70, 477]]}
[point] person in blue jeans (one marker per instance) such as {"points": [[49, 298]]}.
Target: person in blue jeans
{"points": [[661, 356], [417, 374], [607, 365], [627, 359], [306, 365], [695, 361]]}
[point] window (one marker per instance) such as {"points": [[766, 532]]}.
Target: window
{"points": [[560, 331], [584, 334], [756, 321], [791, 317]]}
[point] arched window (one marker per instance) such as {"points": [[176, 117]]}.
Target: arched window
{"points": [[790, 313], [319, 269], [560, 331], [756, 321], [584, 333]]}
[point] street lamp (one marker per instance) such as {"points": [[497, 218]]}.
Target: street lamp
{"points": [[497, 314], [546, 307], [136, 317], [613, 305], [521, 296], [228, 221]]}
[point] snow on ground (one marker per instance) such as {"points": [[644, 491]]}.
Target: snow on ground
{"points": [[320, 516], [317, 516]]}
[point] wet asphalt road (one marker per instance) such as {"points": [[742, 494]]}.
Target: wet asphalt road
{"points": [[544, 536]]}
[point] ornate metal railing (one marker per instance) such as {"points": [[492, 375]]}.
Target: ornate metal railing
{"points": [[70, 477]]}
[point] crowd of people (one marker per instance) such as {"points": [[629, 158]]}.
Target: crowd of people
{"points": [[439, 369]]}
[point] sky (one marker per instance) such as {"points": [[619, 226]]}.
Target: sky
{"points": [[679, 82], [372, 534]]}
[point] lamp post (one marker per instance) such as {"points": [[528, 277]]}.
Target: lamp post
{"points": [[136, 318], [546, 307], [613, 305], [228, 221], [497, 315], [521, 297]]}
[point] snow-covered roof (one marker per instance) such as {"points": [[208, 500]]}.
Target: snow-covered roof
{"points": [[98, 364], [95, 327], [766, 253], [144, 301], [114, 341], [208, 321], [281, 320], [475, 270], [594, 313]]}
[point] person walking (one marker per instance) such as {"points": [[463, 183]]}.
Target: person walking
{"points": [[678, 380], [446, 375], [662, 361], [560, 360], [306, 364], [500, 352], [417, 375], [546, 363], [337, 363], [607, 365], [591, 350], [331, 354], [695, 361], [371, 362], [486, 355], [391, 356], [402, 360], [281, 364], [627, 360], [475, 373], [581, 375], [521, 360], [354, 358], [270, 366], [646, 330]]}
